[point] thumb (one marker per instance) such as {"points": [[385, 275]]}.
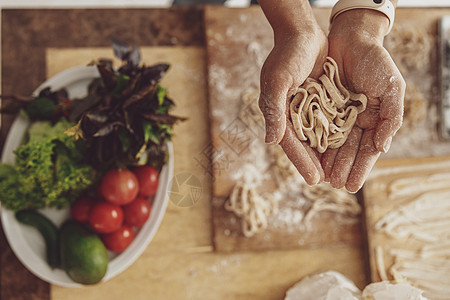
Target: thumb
{"points": [[273, 109], [391, 114]]}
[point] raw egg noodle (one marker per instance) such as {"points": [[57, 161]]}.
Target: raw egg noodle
{"points": [[323, 111]]}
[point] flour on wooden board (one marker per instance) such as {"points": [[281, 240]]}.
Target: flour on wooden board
{"points": [[267, 162], [411, 48], [415, 107]]}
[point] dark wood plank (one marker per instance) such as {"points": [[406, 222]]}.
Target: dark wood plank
{"points": [[27, 33]]}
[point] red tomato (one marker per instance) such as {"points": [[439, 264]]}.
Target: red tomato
{"points": [[137, 212], [119, 240], [98, 193], [106, 217], [119, 186], [81, 208], [148, 180]]}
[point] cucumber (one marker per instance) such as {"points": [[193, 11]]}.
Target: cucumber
{"points": [[47, 229]]}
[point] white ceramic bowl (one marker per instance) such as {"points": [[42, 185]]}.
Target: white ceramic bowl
{"points": [[27, 243]]}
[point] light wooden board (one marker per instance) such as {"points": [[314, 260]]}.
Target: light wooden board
{"points": [[378, 203], [238, 40], [180, 262]]}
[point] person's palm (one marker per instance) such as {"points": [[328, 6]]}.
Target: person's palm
{"points": [[365, 67], [292, 60]]}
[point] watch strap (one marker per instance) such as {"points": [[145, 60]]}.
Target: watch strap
{"points": [[384, 6]]}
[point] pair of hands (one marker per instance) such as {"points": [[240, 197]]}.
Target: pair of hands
{"points": [[355, 42]]}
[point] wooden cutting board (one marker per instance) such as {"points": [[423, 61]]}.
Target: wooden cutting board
{"points": [[180, 262], [378, 203], [237, 42]]}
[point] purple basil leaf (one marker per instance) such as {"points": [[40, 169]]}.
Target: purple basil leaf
{"points": [[154, 73], [131, 86], [98, 117], [164, 119], [121, 49], [135, 56], [107, 75], [107, 129], [79, 106], [139, 95]]}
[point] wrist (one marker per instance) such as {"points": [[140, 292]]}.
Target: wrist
{"points": [[361, 21], [306, 29], [288, 17]]}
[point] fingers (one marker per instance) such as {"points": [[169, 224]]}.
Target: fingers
{"points": [[272, 102], [364, 162], [328, 159], [303, 157], [391, 113], [345, 159], [273, 110], [350, 165]]}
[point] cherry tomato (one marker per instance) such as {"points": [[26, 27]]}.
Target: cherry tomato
{"points": [[106, 217], [119, 186], [137, 212], [148, 180], [118, 240], [81, 208], [98, 193]]}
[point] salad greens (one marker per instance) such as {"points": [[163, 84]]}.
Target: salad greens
{"points": [[125, 117], [124, 120], [48, 105], [49, 170]]}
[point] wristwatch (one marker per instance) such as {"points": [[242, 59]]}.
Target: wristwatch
{"points": [[384, 6]]}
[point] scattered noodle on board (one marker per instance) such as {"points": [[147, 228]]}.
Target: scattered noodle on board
{"points": [[326, 198], [251, 115], [253, 209], [380, 263], [414, 186], [429, 273], [425, 219]]}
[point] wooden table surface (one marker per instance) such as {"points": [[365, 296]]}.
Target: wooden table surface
{"points": [[180, 263]]}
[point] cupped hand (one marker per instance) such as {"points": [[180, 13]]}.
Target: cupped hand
{"points": [[295, 56], [356, 44]]}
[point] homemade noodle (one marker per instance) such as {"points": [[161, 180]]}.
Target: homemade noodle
{"points": [[426, 221], [323, 111], [253, 209], [326, 198]]}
